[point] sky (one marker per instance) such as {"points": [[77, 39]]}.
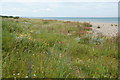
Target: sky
{"points": [[60, 8]]}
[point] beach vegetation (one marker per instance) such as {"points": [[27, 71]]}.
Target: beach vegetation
{"points": [[36, 48]]}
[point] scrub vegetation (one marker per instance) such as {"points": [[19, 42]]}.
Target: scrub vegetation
{"points": [[40, 48]]}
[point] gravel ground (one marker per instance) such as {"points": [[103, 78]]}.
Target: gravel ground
{"points": [[107, 29]]}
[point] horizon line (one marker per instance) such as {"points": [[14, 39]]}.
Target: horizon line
{"points": [[69, 16], [57, 16]]}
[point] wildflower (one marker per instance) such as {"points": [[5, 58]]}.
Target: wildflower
{"points": [[77, 39], [31, 31], [32, 65], [60, 55], [30, 38], [69, 34], [26, 76], [13, 74], [87, 28], [80, 61], [18, 74], [82, 32], [34, 74], [21, 35], [45, 43], [61, 42]]}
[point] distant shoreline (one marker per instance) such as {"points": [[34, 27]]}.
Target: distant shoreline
{"points": [[81, 19], [107, 29]]}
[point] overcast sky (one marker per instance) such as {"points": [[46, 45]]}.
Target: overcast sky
{"points": [[60, 8]]}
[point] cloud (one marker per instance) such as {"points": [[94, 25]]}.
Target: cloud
{"points": [[60, 1], [42, 10], [8, 14], [48, 9], [60, 8], [11, 9], [21, 9]]}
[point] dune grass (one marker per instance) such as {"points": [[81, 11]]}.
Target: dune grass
{"points": [[55, 49]]}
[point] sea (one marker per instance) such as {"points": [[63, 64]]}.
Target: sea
{"points": [[83, 19]]}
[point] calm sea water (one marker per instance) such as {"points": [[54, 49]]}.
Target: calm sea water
{"points": [[85, 19]]}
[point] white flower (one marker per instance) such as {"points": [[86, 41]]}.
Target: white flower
{"points": [[18, 73], [13, 74], [26, 76], [80, 61], [34, 74], [69, 34]]}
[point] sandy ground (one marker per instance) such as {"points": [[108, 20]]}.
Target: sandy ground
{"points": [[107, 29]]}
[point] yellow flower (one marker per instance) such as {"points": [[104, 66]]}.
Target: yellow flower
{"points": [[21, 35], [30, 38], [31, 31], [45, 43]]}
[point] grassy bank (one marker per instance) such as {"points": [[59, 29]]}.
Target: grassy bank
{"points": [[56, 49]]}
